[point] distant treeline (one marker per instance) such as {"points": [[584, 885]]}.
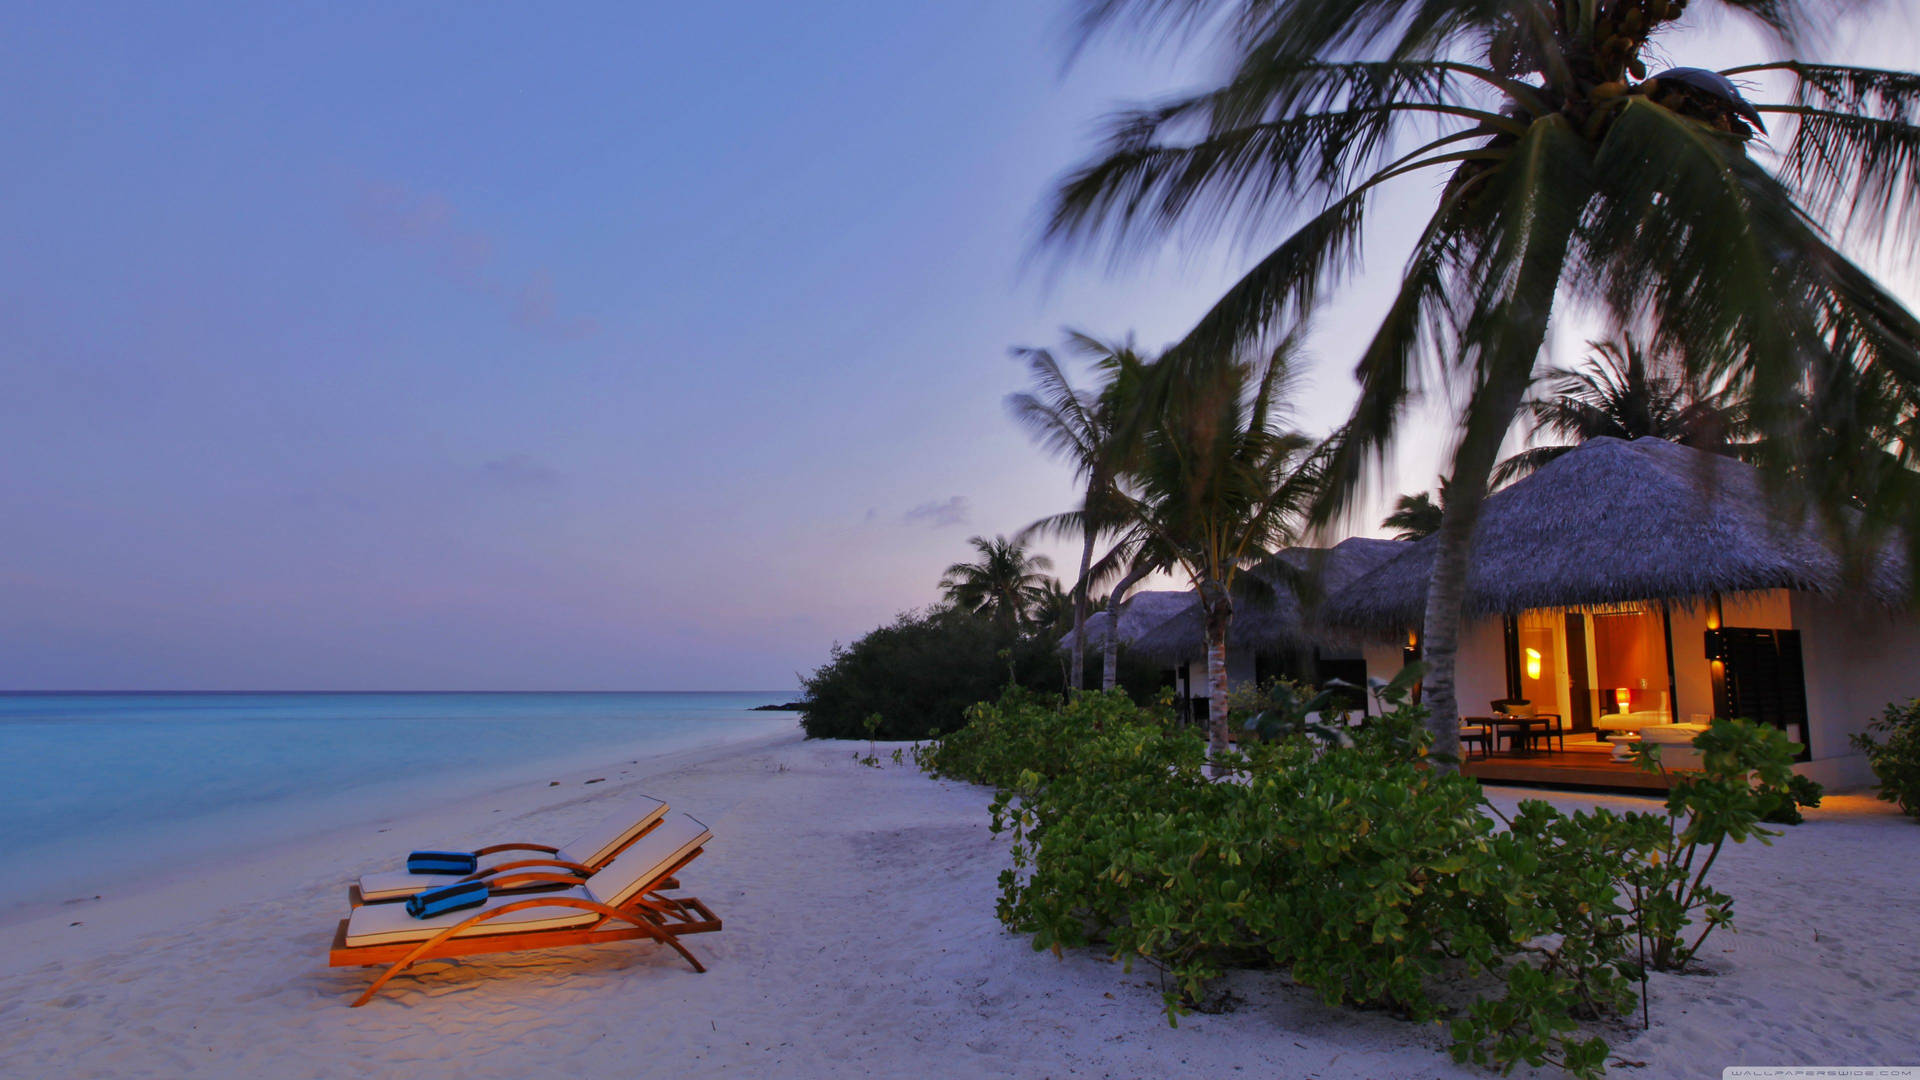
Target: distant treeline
{"points": [[920, 673]]}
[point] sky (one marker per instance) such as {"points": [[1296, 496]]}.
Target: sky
{"points": [[523, 347]]}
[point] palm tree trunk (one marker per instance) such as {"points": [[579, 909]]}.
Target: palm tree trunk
{"points": [[1110, 661], [1079, 679], [1447, 588], [1219, 615]]}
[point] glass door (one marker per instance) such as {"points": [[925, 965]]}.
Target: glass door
{"points": [[1630, 673], [1544, 675]]}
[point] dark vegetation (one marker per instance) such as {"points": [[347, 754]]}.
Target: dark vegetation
{"points": [[922, 672], [1357, 869], [1895, 755]]}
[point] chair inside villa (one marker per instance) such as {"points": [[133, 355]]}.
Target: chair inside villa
{"points": [[1544, 730], [1473, 733]]}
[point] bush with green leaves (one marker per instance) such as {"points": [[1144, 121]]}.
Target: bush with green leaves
{"points": [[1284, 708], [921, 673], [1745, 780], [1895, 755], [1029, 732], [1355, 867]]}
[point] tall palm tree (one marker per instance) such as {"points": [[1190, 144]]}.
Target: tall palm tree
{"points": [[1080, 427], [1137, 554], [1003, 584], [1218, 485], [1569, 175], [1620, 392], [1417, 516]]}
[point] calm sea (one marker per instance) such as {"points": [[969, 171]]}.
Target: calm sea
{"points": [[99, 786]]}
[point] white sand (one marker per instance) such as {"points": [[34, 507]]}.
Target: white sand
{"points": [[861, 940]]}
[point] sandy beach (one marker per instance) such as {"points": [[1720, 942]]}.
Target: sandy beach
{"points": [[860, 940]]}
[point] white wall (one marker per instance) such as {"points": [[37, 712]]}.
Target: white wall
{"points": [[1480, 668], [1858, 658], [1383, 660], [1480, 671]]}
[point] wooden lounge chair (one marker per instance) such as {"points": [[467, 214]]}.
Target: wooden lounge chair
{"points": [[620, 902], [578, 857]]}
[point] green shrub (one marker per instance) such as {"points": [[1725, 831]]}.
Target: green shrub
{"points": [[1029, 732], [1285, 708], [1353, 866], [1896, 762], [1745, 780], [921, 672]]}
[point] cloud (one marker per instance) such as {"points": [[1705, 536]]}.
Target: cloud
{"points": [[428, 225], [939, 515], [519, 472]]}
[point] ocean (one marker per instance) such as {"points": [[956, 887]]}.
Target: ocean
{"points": [[96, 787]]}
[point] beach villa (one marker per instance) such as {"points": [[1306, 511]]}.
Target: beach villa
{"points": [[1273, 635], [1627, 590], [1628, 587]]}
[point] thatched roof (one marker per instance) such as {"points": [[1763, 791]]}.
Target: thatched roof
{"points": [[1274, 619], [1139, 613], [1616, 522]]}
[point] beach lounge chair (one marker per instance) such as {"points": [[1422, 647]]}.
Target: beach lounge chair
{"points": [[579, 856], [619, 902]]}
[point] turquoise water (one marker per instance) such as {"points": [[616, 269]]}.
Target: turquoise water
{"points": [[98, 786]]}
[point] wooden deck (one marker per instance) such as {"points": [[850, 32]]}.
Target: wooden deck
{"points": [[1574, 767]]}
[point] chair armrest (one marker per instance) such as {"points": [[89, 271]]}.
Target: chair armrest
{"points": [[521, 864], [495, 849], [514, 881]]}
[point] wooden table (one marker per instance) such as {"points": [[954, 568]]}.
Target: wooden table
{"points": [[1521, 725]]}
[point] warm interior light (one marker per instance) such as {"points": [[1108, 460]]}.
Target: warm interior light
{"points": [[1533, 663], [1624, 698]]}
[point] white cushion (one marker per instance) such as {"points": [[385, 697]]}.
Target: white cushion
{"points": [[648, 859], [385, 924], [1672, 734], [1630, 721], [614, 831]]}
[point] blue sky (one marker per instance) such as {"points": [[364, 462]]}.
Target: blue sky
{"points": [[594, 346]]}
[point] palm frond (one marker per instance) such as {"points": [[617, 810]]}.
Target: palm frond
{"points": [[1855, 149], [1233, 155]]}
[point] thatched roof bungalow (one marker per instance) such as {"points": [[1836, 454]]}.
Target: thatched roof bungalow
{"points": [[1278, 617], [1629, 585], [1274, 632], [1139, 613]]}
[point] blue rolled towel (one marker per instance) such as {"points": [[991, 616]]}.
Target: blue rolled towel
{"points": [[444, 898], [442, 862]]}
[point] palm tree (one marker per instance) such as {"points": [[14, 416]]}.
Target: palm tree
{"points": [[1416, 516], [1569, 176], [1080, 428], [1003, 585], [1135, 555], [1052, 607], [1217, 485], [1619, 392]]}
